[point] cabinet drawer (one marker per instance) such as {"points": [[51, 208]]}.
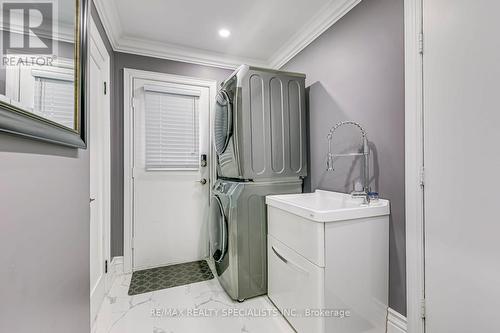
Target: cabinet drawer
{"points": [[303, 236], [294, 285]]}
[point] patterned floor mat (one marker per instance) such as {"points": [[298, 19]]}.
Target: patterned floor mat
{"points": [[169, 276]]}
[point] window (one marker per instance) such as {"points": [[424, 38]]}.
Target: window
{"points": [[47, 91], [54, 100], [172, 129]]}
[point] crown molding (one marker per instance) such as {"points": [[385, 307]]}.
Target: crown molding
{"points": [[110, 21], [183, 54], [60, 31], [328, 16]]}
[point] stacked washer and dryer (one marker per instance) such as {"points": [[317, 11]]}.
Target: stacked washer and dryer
{"points": [[260, 143]]}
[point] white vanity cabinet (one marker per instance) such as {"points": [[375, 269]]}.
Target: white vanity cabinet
{"points": [[328, 261]]}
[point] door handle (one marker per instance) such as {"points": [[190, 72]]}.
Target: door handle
{"points": [[92, 199], [291, 263], [202, 181], [279, 255]]}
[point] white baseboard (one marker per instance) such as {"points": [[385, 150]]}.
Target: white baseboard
{"points": [[396, 322], [115, 269], [117, 264]]}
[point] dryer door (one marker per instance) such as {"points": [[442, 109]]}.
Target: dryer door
{"points": [[218, 230], [223, 121]]}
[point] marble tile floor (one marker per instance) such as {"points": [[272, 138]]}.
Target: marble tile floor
{"points": [[201, 307]]}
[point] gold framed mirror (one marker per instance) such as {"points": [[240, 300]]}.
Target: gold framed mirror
{"points": [[42, 72]]}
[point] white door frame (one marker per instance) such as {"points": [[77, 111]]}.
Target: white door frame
{"points": [[414, 164], [96, 39], [129, 75]]}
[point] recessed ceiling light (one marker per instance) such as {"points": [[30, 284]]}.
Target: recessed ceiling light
{"points": [[224, 33]]}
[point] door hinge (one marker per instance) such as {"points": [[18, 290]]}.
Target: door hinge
{"points": [[421, 43], [105, 266], [105, 88], [422, 176], [134, 103], [132, 241], [422, 308]]}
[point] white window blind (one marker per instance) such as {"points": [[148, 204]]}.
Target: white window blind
{"points": [[54, 100], [172, 130]]}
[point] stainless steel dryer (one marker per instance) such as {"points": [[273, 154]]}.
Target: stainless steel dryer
{"points": [[260, 125], [238, 234]]}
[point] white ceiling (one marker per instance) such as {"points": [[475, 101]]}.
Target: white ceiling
{"points": [[263, 32]]}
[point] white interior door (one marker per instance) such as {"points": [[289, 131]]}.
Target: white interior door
{"points": [[170, 186], [462, 161], [99, 150]]}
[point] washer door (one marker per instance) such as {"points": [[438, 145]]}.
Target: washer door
{"points": [[218, 230], [223, 121]]}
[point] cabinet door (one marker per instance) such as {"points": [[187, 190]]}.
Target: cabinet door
{"points": [[295, 285]]}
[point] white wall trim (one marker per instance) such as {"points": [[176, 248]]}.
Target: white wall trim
{"points": [[183, 54], [110, 20], [414, 162], [116, 266], [129, 75], [96, 43], [64, 33], [120, 42], [127, 170], [396, 322], [327, 17], [95, 37]]}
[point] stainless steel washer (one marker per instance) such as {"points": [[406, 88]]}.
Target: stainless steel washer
{"points": [[238, 234]]}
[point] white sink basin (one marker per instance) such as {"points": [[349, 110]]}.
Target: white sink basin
{"points": [[326, 206]]}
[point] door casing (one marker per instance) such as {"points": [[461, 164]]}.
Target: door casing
{"points": [[414, 166]]}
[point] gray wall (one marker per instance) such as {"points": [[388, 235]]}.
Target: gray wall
{"points": [[355, 71], [121, 61], [44, 237]]}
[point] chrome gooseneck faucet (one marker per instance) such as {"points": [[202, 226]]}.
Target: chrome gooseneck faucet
{"points": [[365, 154]]}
